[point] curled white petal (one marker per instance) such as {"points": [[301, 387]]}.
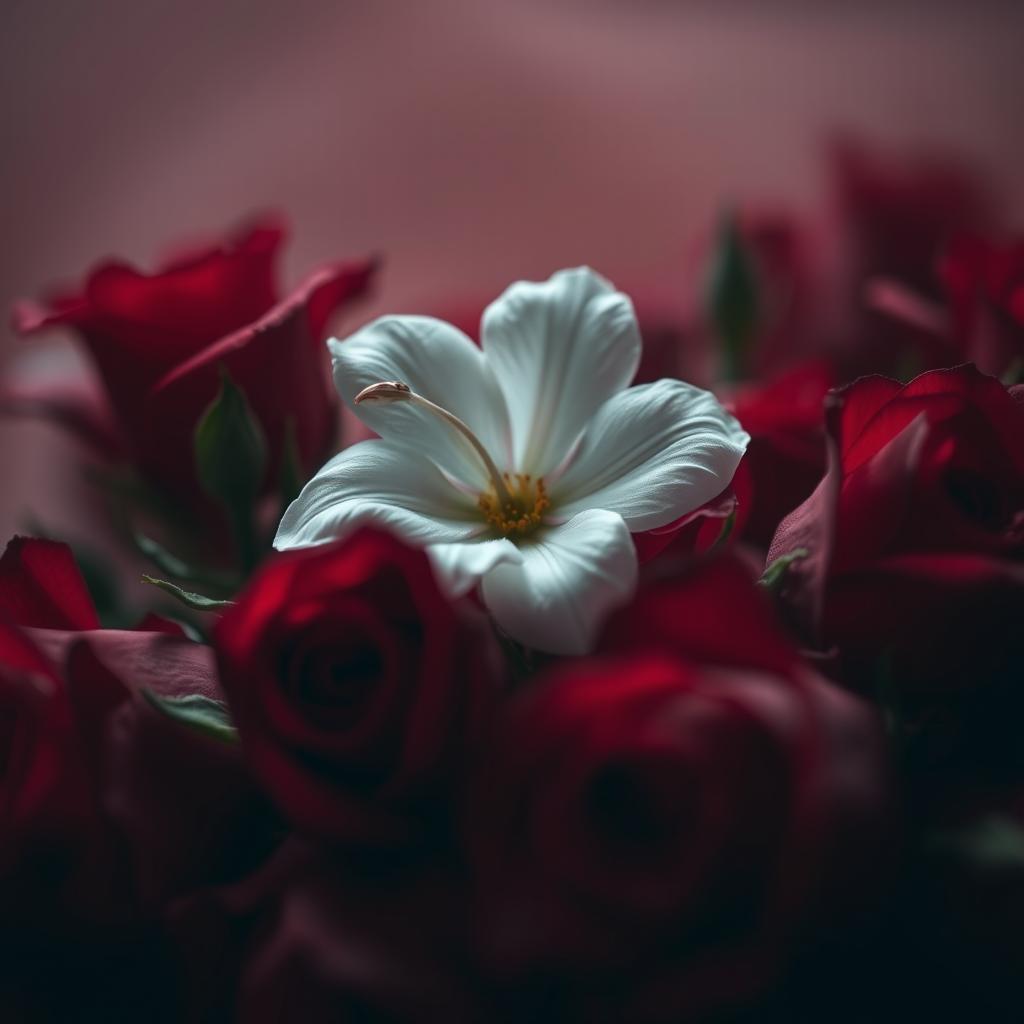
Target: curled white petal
{"points": [[558, 350], [570, 577], [381, 483], [460, 566], [652, 453], [439, 362]]}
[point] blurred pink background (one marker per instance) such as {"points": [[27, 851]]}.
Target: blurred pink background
{"points": [[470, 142]]}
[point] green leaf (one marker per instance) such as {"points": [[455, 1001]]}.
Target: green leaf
{"points": [[732, 299], [774, 576], [195, 601], [196, 712], [994, 842], [231, 460], [291, 477], [1014, 373], [726, 531]]}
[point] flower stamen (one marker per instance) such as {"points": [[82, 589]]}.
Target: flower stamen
{"points": [[524, 510], [388, 391]]}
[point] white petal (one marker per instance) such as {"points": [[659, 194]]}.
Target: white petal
{"points": [[652, 453], [570, 577], [558, 350], [378, 482], [459, 567], [439, 362]]}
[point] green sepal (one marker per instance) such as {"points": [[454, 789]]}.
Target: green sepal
{"points": [[171, 565], [725, 532], [732, 299], [203, 714], [994, 842], [231, 460], [197, 602], [775, 574]]}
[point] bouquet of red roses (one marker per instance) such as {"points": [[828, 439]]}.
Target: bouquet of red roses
{"points": [[605, 662]]}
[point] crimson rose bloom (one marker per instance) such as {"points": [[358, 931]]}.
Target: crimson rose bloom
{"points": [[650, 829], [331, 938], [109, 810], [915, 537], [356, 686], [159, 341]]}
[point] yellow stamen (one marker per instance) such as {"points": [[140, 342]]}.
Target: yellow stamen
{"points": [[515, 504], [523, 512]]}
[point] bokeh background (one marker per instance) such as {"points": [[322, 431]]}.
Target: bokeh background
{"points": [[470, 142]]}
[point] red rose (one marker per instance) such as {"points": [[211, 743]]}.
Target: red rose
{"points": [[101, 751], [356, 686], [984, 283], [159, 342], [895, 215], [42, 799], [651, 829], [110, 809], [898, 211], [330, 938], [915, 537]]}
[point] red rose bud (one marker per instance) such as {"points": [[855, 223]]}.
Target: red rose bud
{"points": [[653, 828], [357, 688], [914, 539], [161, 340], [786, 456]]}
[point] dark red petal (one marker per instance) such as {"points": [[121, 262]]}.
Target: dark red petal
{"points": [[41, 585]]}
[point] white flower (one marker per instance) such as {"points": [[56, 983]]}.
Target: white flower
{"points": [[522, 465]]}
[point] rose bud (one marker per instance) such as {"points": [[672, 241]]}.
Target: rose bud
{"points": [[910, 550], [653, 830], [161, 340], [786, 455], [357, 688]]}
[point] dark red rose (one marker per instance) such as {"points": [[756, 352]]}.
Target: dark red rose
{"points": [[898, 211], [652, 828], [895, 215], [144, 797], [984, 283], [109, 809], [330, 938], [786, 456], [160, 340], [915, 536], [43, 801], [356, 686]]}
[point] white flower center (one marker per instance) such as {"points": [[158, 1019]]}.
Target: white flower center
{"points": [[524, 510], [514, 504]]}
